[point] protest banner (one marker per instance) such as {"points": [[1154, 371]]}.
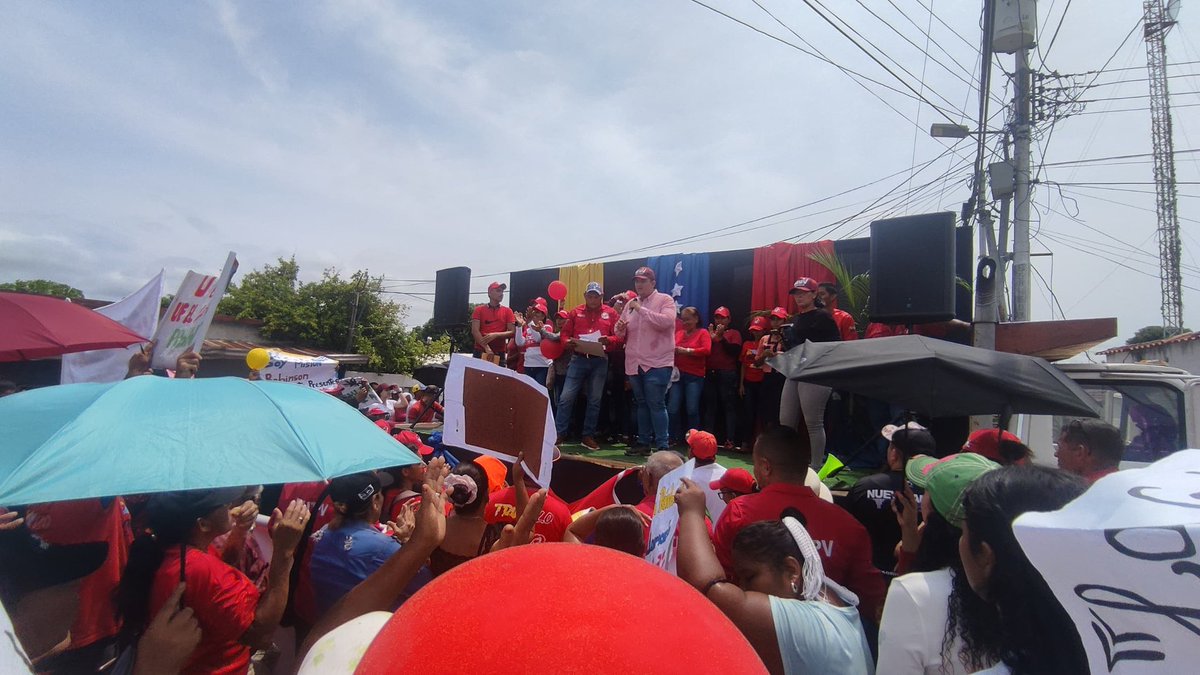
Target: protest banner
{"points": [[499, 412], [660, 550], [1122, 559], [138, 312], [315, 372], [186, 322]]}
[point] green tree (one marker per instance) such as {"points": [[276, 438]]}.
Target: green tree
{"points": [[335, 313], [460, 337], [43, 287], [1152, 333]]}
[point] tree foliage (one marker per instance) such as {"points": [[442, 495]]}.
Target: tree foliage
{"points": [[1152, 333], [43, 287], [460, 337], [319, 314]]}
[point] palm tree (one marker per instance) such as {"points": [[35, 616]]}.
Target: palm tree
{"points": [[856, 289]]}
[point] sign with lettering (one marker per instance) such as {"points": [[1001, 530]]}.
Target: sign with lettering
{"points": [[186, 322], [661, 548], [316, 372], [1122, 559]]}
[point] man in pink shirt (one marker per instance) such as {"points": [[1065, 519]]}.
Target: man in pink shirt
{"points": [[647, 326]]}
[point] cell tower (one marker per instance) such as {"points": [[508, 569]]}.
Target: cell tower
{"points": [[1158, 19]]}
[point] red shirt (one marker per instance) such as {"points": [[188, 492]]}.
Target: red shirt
{"points": [[601, 320], [693, 364], [224, 602], [493, 320], [843, 542], [724, 355], [79, 522], [877, 330], [551, 524], [750, 372], [845, 324], [415, 410]]}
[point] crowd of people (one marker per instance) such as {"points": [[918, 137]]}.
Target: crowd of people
{"points": [[648, 369], [915, 570], [918, 572]]}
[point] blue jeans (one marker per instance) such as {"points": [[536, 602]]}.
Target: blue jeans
{"points": [[683, 401], [583, 372], [538, 374], [650, 395]]}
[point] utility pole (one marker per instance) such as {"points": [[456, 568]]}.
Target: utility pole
{"points": [[1022, 127], [1158, 19], [986, 306]]}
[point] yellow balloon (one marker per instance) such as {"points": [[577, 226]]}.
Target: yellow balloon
{"points": [[257, 358]]}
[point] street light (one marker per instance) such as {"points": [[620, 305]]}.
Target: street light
{"points": [[949, 131]]}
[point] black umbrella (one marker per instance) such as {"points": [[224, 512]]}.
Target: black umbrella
{"points": [[938, 378], [431, 375]]}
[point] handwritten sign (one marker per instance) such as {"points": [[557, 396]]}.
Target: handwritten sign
{"points": [[660, 550], [499, 412], [1136, 600], [316, 372], [186, 322]]}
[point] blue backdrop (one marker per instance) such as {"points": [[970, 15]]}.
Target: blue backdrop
{"points": [[685, 278]]}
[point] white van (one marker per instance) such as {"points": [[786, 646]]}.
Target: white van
{"points": [[1157, 409]]}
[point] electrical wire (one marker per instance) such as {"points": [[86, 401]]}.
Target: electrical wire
{"points": [[881, 64], [1054, 37]]}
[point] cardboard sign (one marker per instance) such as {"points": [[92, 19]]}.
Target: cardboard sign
{"points": [[316, 372], [499, 412], [1122, 559], [186, 322], [661, 549]]}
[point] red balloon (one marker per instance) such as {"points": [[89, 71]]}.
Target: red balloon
{"points": [[559, 608], [557, 290], [551, 349]]}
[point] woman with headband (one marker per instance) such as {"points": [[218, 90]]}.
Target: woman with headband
{"points": [[797, 620]]}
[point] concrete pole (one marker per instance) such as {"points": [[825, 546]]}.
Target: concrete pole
{"points": [[1021, 284]]}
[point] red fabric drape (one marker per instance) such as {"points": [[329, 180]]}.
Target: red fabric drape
{"points": [[776, 268]]}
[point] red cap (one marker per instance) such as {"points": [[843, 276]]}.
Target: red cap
{"points": [[722, 311], [384, 424], [645, 273], [702, 444], [496, 284], [575, 591], [563, 314], [760, 323], [804, 284], [986, 442], [413, 442], [541, 307], [629, 295], [734, 480], [779, 313]]}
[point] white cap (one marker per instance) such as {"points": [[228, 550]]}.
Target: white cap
{"points": [[890, 429]]}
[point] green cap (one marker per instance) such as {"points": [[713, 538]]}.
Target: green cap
{"points": [[945, 480]]}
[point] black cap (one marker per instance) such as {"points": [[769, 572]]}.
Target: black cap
{"points": [[355, 489]]}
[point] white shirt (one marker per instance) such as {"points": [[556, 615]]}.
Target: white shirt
{"points": [[703, 475], [531, 338], [914, 623]]}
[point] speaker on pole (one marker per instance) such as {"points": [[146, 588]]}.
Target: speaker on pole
{"points": [[451, 297], [912, 269]]}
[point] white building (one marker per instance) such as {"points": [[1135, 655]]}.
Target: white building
{"points": [[1181, 351]]}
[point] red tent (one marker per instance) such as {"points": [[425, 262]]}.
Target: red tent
{"points": [[39, 326]]}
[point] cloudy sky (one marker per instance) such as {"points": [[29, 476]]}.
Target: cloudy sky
{"points": [[406, 137]]}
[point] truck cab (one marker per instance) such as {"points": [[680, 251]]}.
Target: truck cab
{"points": [[1156, 408]]}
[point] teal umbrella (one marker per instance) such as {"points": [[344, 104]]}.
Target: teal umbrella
{"points": [[153, 434]]}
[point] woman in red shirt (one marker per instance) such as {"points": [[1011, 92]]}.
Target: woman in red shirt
{"points": [[232, 614], [692, 346]]}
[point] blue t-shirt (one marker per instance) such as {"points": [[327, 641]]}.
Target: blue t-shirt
{"points": [[816, 637], [343, 557]]}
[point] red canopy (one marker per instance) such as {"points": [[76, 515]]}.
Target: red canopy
{"points": [[39, 326]]}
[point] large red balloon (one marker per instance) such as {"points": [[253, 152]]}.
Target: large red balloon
{"points": [[559, 608], [557, 290]]}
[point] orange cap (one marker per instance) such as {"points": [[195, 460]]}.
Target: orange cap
{"points": [[702, 443], [495, 470]]}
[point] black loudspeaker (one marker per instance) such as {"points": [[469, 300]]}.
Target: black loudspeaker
{"points": [[451, 297], [912, 269]]}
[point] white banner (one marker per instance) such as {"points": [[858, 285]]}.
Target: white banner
{"points": [[138, 312], [499, 412], [186, 322], [1122, 559], [661, 549], [317, 372]]}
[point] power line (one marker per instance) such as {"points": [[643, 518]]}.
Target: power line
{"points": [[881, 64], [1128, 110], [1054, 37], [1113, 157], [929, 8], [1125, 204], [1133, 97]]}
